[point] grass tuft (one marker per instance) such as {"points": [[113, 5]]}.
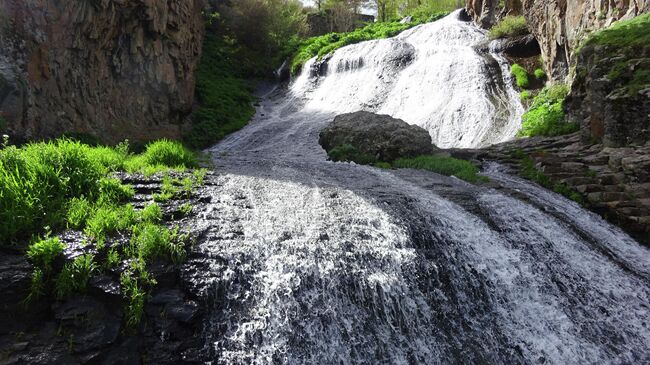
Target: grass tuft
{"points": [[75, 276], [510, 26], [43, 253]]}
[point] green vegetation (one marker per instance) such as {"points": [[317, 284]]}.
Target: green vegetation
{"points": [[521, 76], [623, 47], [540, 74], [509, 26], [52, 185], [43, 253], [546, 115], [323, 45], [529, 171], [443, 165], [347, 152], [525, 95]]}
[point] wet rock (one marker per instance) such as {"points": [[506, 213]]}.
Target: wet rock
{"points": [[379, 136], [518, 47]]}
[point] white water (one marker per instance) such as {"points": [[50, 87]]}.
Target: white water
{"points": [[315, 262], [430, 76]]}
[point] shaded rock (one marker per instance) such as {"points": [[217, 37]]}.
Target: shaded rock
{"points": [[380, 136], [519, 47]]}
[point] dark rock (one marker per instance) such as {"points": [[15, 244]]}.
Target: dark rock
{"points": [[89, 324], [380, 136], [518, 47]]}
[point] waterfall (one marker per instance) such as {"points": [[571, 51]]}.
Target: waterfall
{"points": [[307, 261], [431, 76]]}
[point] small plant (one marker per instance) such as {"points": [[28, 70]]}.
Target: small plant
{"points": [[112, 259], [169, 153], [135, 297], [153, 241], [510, 26], [525, 95], [199, 176], [383, 165], [109, 219], [79, 210], [75, 276], [186, 209], [443, 165], [37, 286], [546, 115], [540, 74], [151, 213], [113, 191], [521, 76], [43, 253]]}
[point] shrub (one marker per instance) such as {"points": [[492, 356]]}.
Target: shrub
{"points": [[43, 253], [75, 276], [442, 165], [510, 26], [540, 74], [546, 115], [521, 76], [347, 152]]}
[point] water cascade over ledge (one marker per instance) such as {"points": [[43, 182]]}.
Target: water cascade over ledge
{"points": [[430, 75], [307, 261]]}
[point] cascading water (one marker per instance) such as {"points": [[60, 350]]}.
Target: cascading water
{"points": [[430, 75], [313, 262]]}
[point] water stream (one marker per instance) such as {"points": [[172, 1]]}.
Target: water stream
{"points": [[315, 262]]}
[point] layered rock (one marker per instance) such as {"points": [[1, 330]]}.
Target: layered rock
{"points": [[559, 25], [110, 68], [381, 137]]}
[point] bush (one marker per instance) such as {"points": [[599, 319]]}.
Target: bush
{"points": [[540, 74], [442, 165], [546, 115], [510, 26], [43, 253], [521, 76]]}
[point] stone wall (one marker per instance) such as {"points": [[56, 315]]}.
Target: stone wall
{"points": [[115, 69]]}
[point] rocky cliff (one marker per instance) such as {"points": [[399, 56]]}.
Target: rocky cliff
{"points": [[115, 69], [558, 25]]}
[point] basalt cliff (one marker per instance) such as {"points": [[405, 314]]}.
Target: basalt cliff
{"points": [[109, 68]]}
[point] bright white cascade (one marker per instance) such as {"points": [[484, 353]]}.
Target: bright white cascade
{"points": [[430, 76]]}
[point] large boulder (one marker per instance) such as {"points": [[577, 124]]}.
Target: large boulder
{"points": [[381, 137]]}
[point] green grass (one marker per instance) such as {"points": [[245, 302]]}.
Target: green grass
{"points": [[75, 276], [521, 76], [110, 219], [225, 98], [151, 241], [40, 181], [135, 296], [628, 33], [43, 253], [151, 214], [509, 26], [443, 165], [546, 116], [325, 44]]}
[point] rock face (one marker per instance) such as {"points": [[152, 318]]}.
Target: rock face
{"points": [[379, 136], [111, 68], [610, 94], [558, 25]]}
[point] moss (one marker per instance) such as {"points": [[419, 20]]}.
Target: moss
{"points": [[525, 95], [510, 26], [521, 76], [628, 33], [540, 74]]}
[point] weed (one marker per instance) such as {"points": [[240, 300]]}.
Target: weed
{"points": [[151, 213], [79, 210], [75, 276], [135, 297], [109, 219], [43, 253], [186, 209]]}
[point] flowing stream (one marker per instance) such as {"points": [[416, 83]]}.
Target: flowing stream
{"points": [[315, 262]]}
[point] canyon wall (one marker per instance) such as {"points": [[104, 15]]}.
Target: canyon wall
{"points": [[558, 25], [111, 68]]}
